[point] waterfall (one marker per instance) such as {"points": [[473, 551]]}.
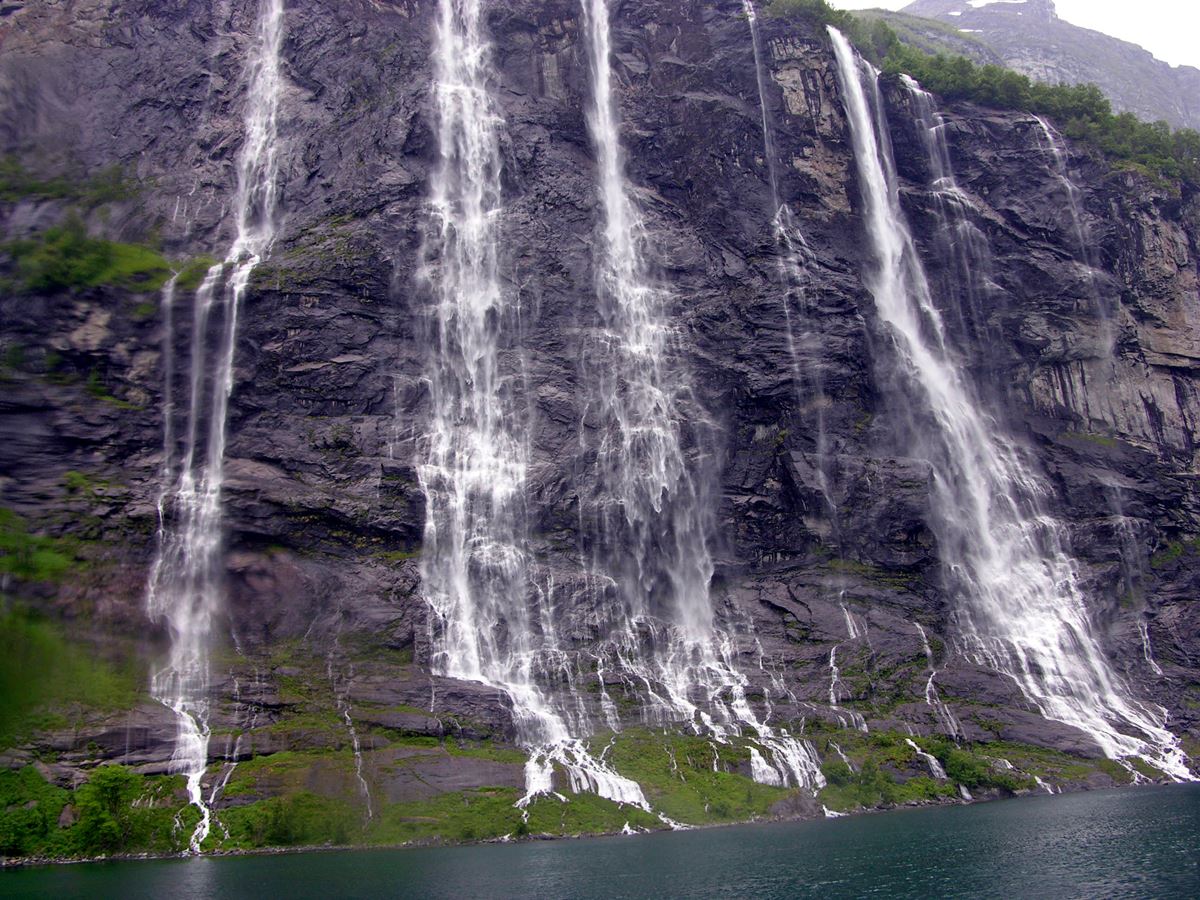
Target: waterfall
{"points": [[185, 587], [654, 512], [935, 767], [1095, 380], [949, 724], [1014, 587], [793, 253], [653, 521], [958, 239], [491, 622], [1084, 245]]}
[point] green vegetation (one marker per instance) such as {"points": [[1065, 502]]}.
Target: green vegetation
{"points": [[115, 811], [1173, 552], [487, 813], [65, 257], [928, 35], [677, 777], [971, 769], [301, 819], [311, 797], [871, 787], [96, 387], [880, 773], [44, 677], [32, 557], [1100, 440], [873, 38], [289, 812], [106, 186], [397, 556], [193, 273], [1082, 112], [873, 573], [30, 809]]}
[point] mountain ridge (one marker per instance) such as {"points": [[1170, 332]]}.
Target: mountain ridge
{"points": [[1030, 37]]}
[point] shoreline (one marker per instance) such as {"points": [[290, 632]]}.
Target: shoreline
{"points": [[37, 862]]}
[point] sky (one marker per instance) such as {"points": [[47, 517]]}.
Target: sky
{"points": [[1170, 29]]}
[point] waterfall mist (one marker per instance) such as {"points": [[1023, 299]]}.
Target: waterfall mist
{"points": [[1017, 597]]}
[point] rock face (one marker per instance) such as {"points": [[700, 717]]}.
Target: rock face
{"points": [[822, 513], [1029, 37]]}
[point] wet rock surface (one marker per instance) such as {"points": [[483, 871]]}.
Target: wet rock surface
{"points": [[822, 505]]}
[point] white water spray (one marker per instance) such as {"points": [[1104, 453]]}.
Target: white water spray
{"points": [[935, 767], [490, 622], [654, 519], [185, 589], [794, 254], [1018, 598], [1147, 650]]}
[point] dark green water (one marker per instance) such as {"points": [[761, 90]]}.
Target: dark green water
{"points": [[1131, 843]]}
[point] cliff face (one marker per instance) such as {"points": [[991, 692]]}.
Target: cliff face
{"points": [[1089, 355], [1030, 38]]}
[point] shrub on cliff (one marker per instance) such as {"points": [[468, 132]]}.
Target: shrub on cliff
{"points": [[1081, 110], [65, 257]]}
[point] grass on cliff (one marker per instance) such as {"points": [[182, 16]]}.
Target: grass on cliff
{"points": [[311, 798], [65, 257], [881, 768], [46, 678], [31, 557], [676, 772], [300, 798], [1082, 111]]}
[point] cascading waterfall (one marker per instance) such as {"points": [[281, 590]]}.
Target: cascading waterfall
{"points": [[653, 522], [949, 724], [935, 767], [1105, 368], [1019, 603], [958, 238], [491, 622], [1104, 308], [185, 587], [793, 253]]}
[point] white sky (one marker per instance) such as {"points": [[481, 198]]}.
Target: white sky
{"points": [[1170, 29]]}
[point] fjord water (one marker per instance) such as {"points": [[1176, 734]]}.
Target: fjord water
{"points": [[185, 588], [1113, 844], [1020, 608]]}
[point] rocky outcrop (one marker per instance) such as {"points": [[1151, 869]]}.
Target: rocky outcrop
{"points": [[822, 511]]}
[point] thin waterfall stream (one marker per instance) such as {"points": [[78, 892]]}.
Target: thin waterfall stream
{"points": [[1018, 600], [185, 587], [793, 252]]}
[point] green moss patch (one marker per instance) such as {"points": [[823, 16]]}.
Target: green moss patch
{"points": [[106, 186], [677, 777], [193, 273], [65, 257]]}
